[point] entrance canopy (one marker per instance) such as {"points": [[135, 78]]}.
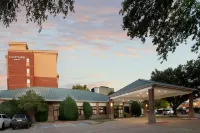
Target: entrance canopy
{"points": [[138, 90]]}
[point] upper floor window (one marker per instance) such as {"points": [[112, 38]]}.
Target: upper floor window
{"points": [[27, 62], [28, 71]]}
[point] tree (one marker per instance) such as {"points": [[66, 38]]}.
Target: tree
{"points": [[10, 108], [184, 75], [111, 92], [80, 87], [68, 109], [32, 102], [161, 104], [136, 109], [168, 23], [87, 109], [36, 11]]}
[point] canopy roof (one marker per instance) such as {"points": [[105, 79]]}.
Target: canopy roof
{"points": [[56, 94], [138, 90]]}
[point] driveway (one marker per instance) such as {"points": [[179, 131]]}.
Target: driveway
{"points": [[129, 125]]}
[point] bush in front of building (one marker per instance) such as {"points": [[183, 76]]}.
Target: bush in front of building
{"points": [[87, 110], [136, 109], [41, 116], [10, 108], [197, 110], [68, 109]]}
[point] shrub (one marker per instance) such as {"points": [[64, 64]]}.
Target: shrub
{"points": [[87, 110], [41, 116], [197, 109], [68, 109], [136, 109], [10, 108]]}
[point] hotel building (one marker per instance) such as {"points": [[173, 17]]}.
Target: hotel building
{"points": [[30, 68]]}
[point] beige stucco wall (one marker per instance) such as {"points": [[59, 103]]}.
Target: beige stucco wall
{"points": [[17, 46], [45, 64], [105, 91]]}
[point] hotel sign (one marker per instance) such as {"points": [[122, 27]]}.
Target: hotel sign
{"points": [[17, 57]]}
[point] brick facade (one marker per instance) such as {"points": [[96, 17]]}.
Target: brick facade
{"points": [[17, 69], [24, 66]]}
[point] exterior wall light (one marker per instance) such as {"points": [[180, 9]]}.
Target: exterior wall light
{"points": [[111, 104], [146, 105]]}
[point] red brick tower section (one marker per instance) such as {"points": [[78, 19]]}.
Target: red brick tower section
{"points": [[20, 69], [27, 68]]}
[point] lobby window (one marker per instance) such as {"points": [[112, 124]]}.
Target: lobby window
{"points": [[94, 110], [28, 82], [27, 72], [27, 62], [80, 110], [102, 110]]}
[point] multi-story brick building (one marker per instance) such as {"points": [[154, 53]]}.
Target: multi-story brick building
{"points": [[30, 68]]}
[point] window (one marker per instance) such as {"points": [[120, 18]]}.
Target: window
{"points": [[28, 81], [102, 110], [27, 60], [94, 110], [4, 116], [27, 72], [80, 110]]}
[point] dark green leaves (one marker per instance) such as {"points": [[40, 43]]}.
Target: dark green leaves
{"points": [[80, 87], [36, 10], [168, 22]]}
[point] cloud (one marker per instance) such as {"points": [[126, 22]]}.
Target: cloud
{"points": [[3, 81], [60, 47], [102, 47], [122, 54]]}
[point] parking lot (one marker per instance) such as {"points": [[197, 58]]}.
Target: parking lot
{"points": [[129, 125]]}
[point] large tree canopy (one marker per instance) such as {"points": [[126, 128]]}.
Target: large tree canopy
{"points": [[168, 22], [184, 75], [36, 10]]}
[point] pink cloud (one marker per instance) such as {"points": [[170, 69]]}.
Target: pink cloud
{"points": [[148, 50], [129, 54], [63, 47], [130, 49], [102, 46]]}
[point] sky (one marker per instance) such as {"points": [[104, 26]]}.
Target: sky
{"points": [[93, 48]]}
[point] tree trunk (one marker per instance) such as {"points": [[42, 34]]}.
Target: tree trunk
{"points": [[33, 118], [175, 111]]}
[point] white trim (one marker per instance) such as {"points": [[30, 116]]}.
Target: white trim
{"points": [[131, 92]]}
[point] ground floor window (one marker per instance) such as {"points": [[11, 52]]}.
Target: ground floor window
{"points": [[118, 111], [102, 110], [94, 110], [80, 110]]}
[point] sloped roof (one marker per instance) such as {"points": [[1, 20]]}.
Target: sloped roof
{"points": [[141, 83], [56, 94]]}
